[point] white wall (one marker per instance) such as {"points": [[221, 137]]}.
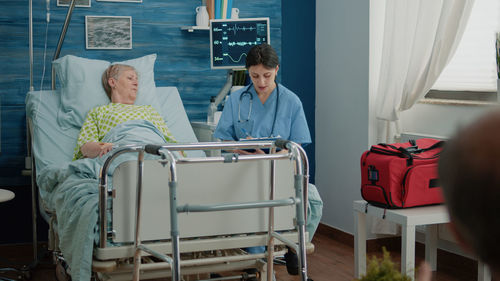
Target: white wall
{"points": [[342, 104]]}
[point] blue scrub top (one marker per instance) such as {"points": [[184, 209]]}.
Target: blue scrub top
{"points": [[290, 124]]}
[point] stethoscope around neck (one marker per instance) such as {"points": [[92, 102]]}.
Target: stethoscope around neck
{"points": [[250, 96]]}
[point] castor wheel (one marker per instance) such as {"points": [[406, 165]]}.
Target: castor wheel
{"points": [[292, 262], [249, 273], [25, 273]]}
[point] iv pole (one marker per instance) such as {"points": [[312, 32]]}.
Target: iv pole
{"points": [[31, 43], [33, 181], [61, 40]]}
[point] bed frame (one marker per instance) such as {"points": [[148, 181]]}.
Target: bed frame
{"points": [[234, 201], [272, 208]]}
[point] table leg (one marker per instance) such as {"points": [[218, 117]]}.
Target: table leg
{"points": [[483, 272], [408, 250], [359, 244], [431, 238]]}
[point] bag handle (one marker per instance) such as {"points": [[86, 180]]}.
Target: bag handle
{"points": [[434, 146], [410, 152]]}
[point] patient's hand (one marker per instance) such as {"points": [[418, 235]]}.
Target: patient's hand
{"points": [[93, 149]]}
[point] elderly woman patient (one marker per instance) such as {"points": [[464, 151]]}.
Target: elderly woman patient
{"points": [[120, 83]]}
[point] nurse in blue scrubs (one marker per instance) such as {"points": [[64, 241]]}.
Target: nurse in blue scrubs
{"points": [[264, 109]]}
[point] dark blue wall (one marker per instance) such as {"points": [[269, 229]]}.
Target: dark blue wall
{"points": [[183, 61], [298, 60], [183, 57]]}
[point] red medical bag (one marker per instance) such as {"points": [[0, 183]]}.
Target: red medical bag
{"points": [[402, 175]]}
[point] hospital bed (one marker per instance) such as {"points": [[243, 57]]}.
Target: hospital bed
{"points": [[166, 215]]}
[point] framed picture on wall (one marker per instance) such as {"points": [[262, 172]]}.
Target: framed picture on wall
{"points": [[108, 32], [79, 3], [130, 1]]}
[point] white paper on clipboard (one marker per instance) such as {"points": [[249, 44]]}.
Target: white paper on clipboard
{"points": [[261, 139]]}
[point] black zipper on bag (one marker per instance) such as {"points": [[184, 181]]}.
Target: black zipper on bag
{"points": [[393, 205], [386, 152], [403, 185], [388, 203]]}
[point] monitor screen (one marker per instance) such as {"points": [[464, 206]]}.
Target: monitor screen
{"points": [[231, 39]]}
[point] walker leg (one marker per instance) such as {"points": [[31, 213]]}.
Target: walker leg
{"points": [[176, 269]]}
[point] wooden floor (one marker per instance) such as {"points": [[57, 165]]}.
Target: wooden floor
{"points": [[333, 259]]}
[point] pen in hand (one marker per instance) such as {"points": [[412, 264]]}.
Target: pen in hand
{"points": [[245, 132]]}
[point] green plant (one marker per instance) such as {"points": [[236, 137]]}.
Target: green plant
{"points": [[383, 270]]}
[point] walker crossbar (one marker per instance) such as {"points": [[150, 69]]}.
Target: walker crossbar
{"points": [[237, 206], [152, 148], [288, 242], [159, 255]]}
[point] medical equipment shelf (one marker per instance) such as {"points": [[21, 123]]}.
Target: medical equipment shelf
{"points": [[192, 28]]}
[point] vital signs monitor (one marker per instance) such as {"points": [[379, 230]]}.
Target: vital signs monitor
{"points": [[231, 39]]}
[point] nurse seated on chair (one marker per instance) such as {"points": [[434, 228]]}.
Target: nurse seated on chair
{"points": [[264, 109]]}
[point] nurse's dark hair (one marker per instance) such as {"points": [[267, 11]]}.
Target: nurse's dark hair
{"points": [[262, 54]]}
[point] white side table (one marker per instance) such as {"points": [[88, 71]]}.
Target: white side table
{"points": [[6, 195], [430, 216]]}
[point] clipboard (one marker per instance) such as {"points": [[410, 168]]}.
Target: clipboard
{"points": [[261, 139], [266, 150]]}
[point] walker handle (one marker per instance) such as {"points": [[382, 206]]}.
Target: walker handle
{"points": [[153, 149], [281, 143]]}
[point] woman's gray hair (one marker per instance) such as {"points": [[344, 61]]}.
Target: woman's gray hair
{"points": [[113, 71]]}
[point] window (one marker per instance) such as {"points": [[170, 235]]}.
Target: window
{"points": [[472, 72]]}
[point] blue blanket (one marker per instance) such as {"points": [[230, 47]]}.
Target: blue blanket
{"points": [[71, 189]]}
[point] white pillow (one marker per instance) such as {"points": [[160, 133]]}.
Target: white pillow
{"points": [[81, 86]]}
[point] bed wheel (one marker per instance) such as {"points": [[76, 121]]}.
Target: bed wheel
{"points": [[249, 274], [25, 272], [292, 262], [15, 274], [62, 270]]}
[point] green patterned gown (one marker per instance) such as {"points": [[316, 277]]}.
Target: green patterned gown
{"points": [[100, 120]]}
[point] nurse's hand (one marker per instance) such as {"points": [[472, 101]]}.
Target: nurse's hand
{"points": [[252, 151], [245, 152]]}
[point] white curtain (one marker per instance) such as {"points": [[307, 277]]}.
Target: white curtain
{"points": [[419, 38]]}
